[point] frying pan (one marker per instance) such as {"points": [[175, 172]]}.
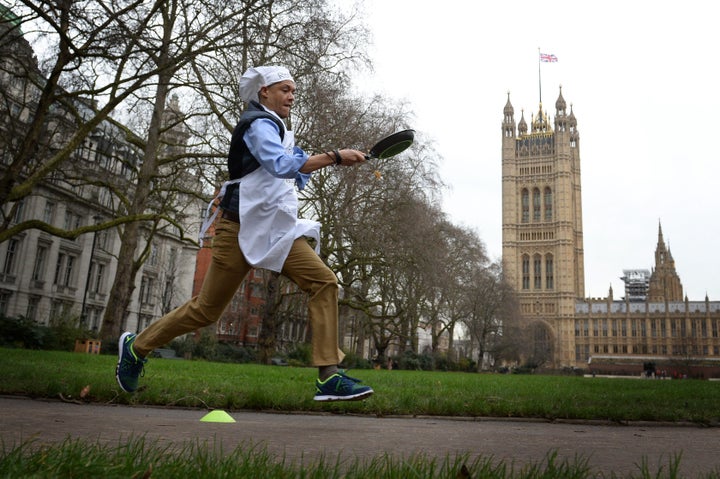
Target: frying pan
{"points": [[392, 145]]}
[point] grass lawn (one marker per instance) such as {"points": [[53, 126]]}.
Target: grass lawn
{"points": [[90, 378], [202, 384]]}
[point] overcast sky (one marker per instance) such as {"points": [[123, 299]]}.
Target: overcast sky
{"points": [[643, 80]]}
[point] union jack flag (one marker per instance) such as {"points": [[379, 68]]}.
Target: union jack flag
{"points": [[548, 57]]}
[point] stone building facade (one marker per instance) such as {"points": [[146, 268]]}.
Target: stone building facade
{"points": [[543, 252], [44, 277]]}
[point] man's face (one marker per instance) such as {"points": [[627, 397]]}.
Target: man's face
{"points": [[279, 97]]}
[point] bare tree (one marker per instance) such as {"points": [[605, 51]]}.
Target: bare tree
{"points": [[462, 254], [490, 301]]}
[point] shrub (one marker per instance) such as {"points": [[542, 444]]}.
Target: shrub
{"points": [[354, 361], [22, 332], [231, 353], [300, 355], [415, 362]]}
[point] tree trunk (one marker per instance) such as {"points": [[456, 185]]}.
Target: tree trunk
{"points": [[268, 330], [124, 283]]}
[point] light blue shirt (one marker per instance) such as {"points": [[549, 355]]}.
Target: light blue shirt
{"points": [[263, 141]]}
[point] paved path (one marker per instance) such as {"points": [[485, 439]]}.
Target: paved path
{"points": [[609, 448]]}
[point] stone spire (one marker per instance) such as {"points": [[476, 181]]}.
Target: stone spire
{"points": [[664, 283]]}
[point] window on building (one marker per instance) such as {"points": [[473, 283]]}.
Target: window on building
{"points": [[65, 270], [526, 272], [94, 318], [549, 278], [97, 277], [60, 309], [172, 263], [4, 301], [40, 260], [537, 270], [536, 204], [72, 220], [69, 269], [19, 211], [146, 290], [49, 212], [525, 206], [32, 308], [101, 240], [154, 255], [167, 296], [11, 256], [548, 204]]}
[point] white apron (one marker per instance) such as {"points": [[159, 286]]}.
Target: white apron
{"points": [[268, 216]]}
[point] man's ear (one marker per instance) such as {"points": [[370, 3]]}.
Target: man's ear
{"points": [[263, 93]]}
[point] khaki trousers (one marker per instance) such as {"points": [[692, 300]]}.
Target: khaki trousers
{"points": [[227, 270]]}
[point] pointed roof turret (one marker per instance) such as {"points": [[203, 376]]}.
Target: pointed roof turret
{"points": [[522, 126], [560, 104], [508, 125], [571, 117], [508, 110]]}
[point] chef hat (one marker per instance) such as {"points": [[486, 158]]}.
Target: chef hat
{"points": [[257, 77]]}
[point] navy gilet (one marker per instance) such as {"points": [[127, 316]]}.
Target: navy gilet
{"points": [[240, 161]]}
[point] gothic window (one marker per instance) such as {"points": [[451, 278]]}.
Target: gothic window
{"points": [[526, 272], [549, 278], [525, 206], [537, 269], [548, 204], [536, 204]]}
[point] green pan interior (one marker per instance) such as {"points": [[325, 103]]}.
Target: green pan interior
{"points": [[393, 144], [395, 149]]}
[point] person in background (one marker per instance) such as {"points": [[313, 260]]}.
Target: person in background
{"points": [[258, 227]]}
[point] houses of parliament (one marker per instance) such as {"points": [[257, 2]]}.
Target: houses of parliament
{"points": [[542, 253]]}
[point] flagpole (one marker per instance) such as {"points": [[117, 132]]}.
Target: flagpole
{"points": [[539, 80]]}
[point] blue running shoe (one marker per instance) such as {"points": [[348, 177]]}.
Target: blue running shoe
{"points": [[340, 387], [129, 367]]}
